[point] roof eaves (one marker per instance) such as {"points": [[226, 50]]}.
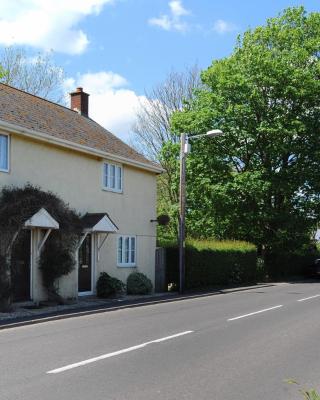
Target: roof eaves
{"points": [[78, 147]]}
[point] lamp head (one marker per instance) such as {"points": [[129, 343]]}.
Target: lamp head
{"points": [[214, 133]]}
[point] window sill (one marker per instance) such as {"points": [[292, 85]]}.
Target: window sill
{"points": [[112, 190], [127, 265], [4, 170]]}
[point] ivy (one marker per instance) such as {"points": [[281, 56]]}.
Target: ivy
{"points": [[57, 258]]}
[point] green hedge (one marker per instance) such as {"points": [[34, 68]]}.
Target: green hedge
{"points": [[210, 263], [286, 265]]}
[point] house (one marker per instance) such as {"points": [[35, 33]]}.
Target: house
{"points": [[62, 150]]}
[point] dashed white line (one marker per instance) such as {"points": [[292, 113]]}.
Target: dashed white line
{"points": [[115, 353], [309, 298], [254, 313]]}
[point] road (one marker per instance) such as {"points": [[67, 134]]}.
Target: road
{"points": [[239, 346]]}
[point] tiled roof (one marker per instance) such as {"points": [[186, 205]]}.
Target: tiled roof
{"points": [[37, 114]]}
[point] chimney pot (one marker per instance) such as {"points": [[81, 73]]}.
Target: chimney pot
{"points": [[80, 101]]}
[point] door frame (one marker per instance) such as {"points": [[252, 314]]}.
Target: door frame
{"points": [[93, 267], [31, 260]]}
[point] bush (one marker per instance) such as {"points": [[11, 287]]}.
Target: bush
{"points": [[57, 258], [108, 286], [138, 283], [55, 261], [210, 263], [5, 288], [295, 263]]}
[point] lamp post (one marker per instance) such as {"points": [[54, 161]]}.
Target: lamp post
{"points": [[184, 148]]}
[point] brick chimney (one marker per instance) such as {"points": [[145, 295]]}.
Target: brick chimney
{"points": [[80, 102]]}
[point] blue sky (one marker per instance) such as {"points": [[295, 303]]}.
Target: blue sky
{"points": [[116, 49]]}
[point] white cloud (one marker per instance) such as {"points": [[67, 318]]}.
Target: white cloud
{"points": [[100, 82], [174, 20], [47, 24], [177, 8], [111, 103], [163, 22], [220, 26]]}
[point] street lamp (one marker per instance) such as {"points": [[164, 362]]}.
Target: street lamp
{"points": [[184, 149]]}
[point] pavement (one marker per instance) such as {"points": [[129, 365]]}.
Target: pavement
{"points": [[236, 345], [28, 313]]}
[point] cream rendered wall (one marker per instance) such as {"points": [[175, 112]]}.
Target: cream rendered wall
{"points": [[77, 179]]}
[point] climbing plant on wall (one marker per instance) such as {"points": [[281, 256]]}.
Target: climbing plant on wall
{"points": [[57, 258]]}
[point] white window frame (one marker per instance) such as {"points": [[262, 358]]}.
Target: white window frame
{"points": [[124, 264], [108, 187], [8, 153]]}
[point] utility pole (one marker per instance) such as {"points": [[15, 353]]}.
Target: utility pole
{"points": [[182, 208], [184, 149]]}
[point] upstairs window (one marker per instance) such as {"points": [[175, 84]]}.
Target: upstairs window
{"points": [[4, 153], [126, 251], [112, 177]]}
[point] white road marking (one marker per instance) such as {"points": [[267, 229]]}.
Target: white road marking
{"points": [[253, 313], [115, 353], [308, 298]]}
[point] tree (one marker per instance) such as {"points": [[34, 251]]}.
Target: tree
{"points": [[2, 72], [153, 128], [36, 75], [260, 181], [155, 138]]}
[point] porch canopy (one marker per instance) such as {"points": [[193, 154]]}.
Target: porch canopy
{"points": [[42, 220], [98, 223]]}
